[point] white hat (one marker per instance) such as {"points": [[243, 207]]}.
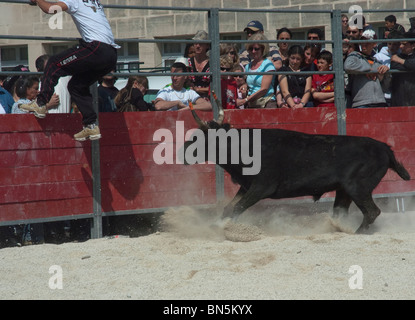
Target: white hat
{"points": [[183, 60], [369, 34]]}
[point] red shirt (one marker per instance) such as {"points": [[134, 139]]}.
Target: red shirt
{"points": [[323, 83], [229, 93]]}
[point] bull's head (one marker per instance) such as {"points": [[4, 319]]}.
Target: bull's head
{"points": [[215, 141]]}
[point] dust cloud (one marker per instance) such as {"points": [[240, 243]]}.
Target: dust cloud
{"points": [[272, 220]]}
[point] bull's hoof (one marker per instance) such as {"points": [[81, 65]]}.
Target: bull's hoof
{"points": [[363, 229]]}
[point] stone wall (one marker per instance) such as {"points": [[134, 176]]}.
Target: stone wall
{"points": [[22, 19]]}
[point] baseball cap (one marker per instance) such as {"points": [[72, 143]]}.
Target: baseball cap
{"points": [[254, 25], [369, 34]]}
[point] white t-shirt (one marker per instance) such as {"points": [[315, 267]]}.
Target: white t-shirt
{"points": [[169, 94], [61, 89], [2, 111], [90, 20]]}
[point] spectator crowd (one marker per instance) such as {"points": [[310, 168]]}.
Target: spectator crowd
{"points": [[367, 65]]}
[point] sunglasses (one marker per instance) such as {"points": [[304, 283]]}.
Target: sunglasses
{"points": [[254, 49], [354, 32], [225, 69], [238, 76], [232, 53], [312, 38]]}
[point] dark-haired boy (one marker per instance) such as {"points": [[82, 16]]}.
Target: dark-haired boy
{"points": [[175, 96], [322, 87]]}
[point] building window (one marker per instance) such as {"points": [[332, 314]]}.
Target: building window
{"points": [[128, 57], [58, 48], [13, 56]]}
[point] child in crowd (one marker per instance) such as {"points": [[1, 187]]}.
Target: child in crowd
{"points": [[241, 84], [323, 84], [228, 83]]}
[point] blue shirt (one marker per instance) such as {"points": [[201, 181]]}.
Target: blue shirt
{"points": [[6, 100], [254, 81]]}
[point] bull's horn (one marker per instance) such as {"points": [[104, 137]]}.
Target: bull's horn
{"points": [[202, 124], [221, 114]]}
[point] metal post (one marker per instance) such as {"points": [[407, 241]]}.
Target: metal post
{"points": [[339, 96], [96, 228], [214, 63]]}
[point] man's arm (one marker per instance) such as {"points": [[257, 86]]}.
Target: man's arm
{"points": [[161, 104], [45, 6], [202, 104]]}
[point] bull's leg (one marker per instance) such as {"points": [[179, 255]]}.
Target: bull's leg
{"points": [[228, 210], [341, 203], [369, 209], [252, 196]]}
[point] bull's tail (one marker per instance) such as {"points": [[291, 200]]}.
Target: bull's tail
{"points": [[396, 166]]}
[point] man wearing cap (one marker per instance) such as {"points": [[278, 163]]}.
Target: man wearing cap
{"points": [[366, 90], [254, 27], [403, 84]]}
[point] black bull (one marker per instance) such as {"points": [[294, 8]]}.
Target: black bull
{"points": [[295, 164]]}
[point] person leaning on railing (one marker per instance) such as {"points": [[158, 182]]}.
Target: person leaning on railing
{"points": [[365, 74], [403, 84]]}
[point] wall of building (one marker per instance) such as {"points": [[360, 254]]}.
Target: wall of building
{"points": [[19, 19]]}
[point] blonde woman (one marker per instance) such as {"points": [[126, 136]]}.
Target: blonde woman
{"points": [[261, 88]]}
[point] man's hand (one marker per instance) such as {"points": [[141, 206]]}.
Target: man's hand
{"points": [[383, 69], [53, 102]]}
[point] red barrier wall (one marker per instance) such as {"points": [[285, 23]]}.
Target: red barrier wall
{"points": [[45, 173]]}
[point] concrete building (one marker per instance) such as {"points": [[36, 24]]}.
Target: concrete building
{"points": [[143, 23]]}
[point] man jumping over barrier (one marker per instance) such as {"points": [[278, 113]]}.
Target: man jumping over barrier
{"points": [[94, 57]]}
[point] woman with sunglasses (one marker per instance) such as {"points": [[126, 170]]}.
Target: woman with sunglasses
{"points": [[231, 50], [261, 89]]}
